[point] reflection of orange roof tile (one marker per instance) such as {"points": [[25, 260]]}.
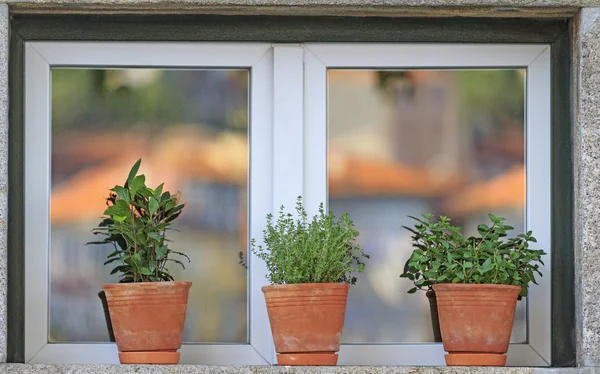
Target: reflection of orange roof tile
{"points": [[504, 191], [184, 154], [509, 142], [84, 195], [355, 176], [95, 146]]}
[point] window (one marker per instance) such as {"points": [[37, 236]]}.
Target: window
{"points": [[264, 123], [370, 175], [93, 109]]}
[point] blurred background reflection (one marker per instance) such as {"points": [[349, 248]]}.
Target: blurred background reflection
{"points": [[400, 143], [190, 127], [421, 141]]}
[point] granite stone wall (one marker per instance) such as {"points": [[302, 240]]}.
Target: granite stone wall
{"points": [[586, 154], [3, 171]]}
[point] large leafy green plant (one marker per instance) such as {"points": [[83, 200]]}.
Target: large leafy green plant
{"points": [[136, 222], [443, 255], [319, 250]]}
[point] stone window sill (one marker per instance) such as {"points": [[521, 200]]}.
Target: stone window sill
{"points": [[186, 369]]}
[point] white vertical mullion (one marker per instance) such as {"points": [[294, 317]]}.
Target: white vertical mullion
{"points": [[260, 194], [288, 113], [539, 199], [37, 200], [315, 127]]}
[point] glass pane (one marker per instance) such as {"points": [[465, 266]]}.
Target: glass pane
{"points": [[190, 127], [421, 141]]}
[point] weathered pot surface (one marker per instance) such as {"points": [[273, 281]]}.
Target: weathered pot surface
{"points": [[476, 322], [148, 320], [307, 321]]}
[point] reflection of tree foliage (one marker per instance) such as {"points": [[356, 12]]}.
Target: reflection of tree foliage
{"points": [[496, 94], [385, 78], [85, 98]]}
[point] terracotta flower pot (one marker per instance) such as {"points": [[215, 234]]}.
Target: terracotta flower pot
{"points": [[307, 321], [476, 322], [147, 320]]}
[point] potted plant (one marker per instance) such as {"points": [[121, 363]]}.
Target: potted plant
{"points": [[477, 282], [147, 307], [310, 265]]}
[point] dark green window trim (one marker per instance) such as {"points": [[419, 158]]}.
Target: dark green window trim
{"points": [[557, 32]]}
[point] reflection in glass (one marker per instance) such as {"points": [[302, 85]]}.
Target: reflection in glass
{"points": [[190, 127], [422, 141]]}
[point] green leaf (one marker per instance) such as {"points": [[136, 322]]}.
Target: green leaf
{"points": [[137, 259], [161, 252], [158, 190], [487, 266], [133, 172], [176, 209], [146, 192], [154, 235], [153, 205], [412, 290], [121, 192], [115, 253], [121, 208], [121, 269], [118, 218], [111, 260], [137, 184], [141, 237], [146, 271]]}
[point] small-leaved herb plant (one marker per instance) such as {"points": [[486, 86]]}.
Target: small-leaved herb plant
{"points": [[443, 255], [135, 223], [302, 250]]}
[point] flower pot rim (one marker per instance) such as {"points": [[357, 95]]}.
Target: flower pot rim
{"points": [[300, 286], [147, 284], [469, 286]]}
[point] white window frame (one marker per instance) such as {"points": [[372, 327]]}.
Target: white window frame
{"points": [[318, 57], [39, 58], [288, 158]]}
